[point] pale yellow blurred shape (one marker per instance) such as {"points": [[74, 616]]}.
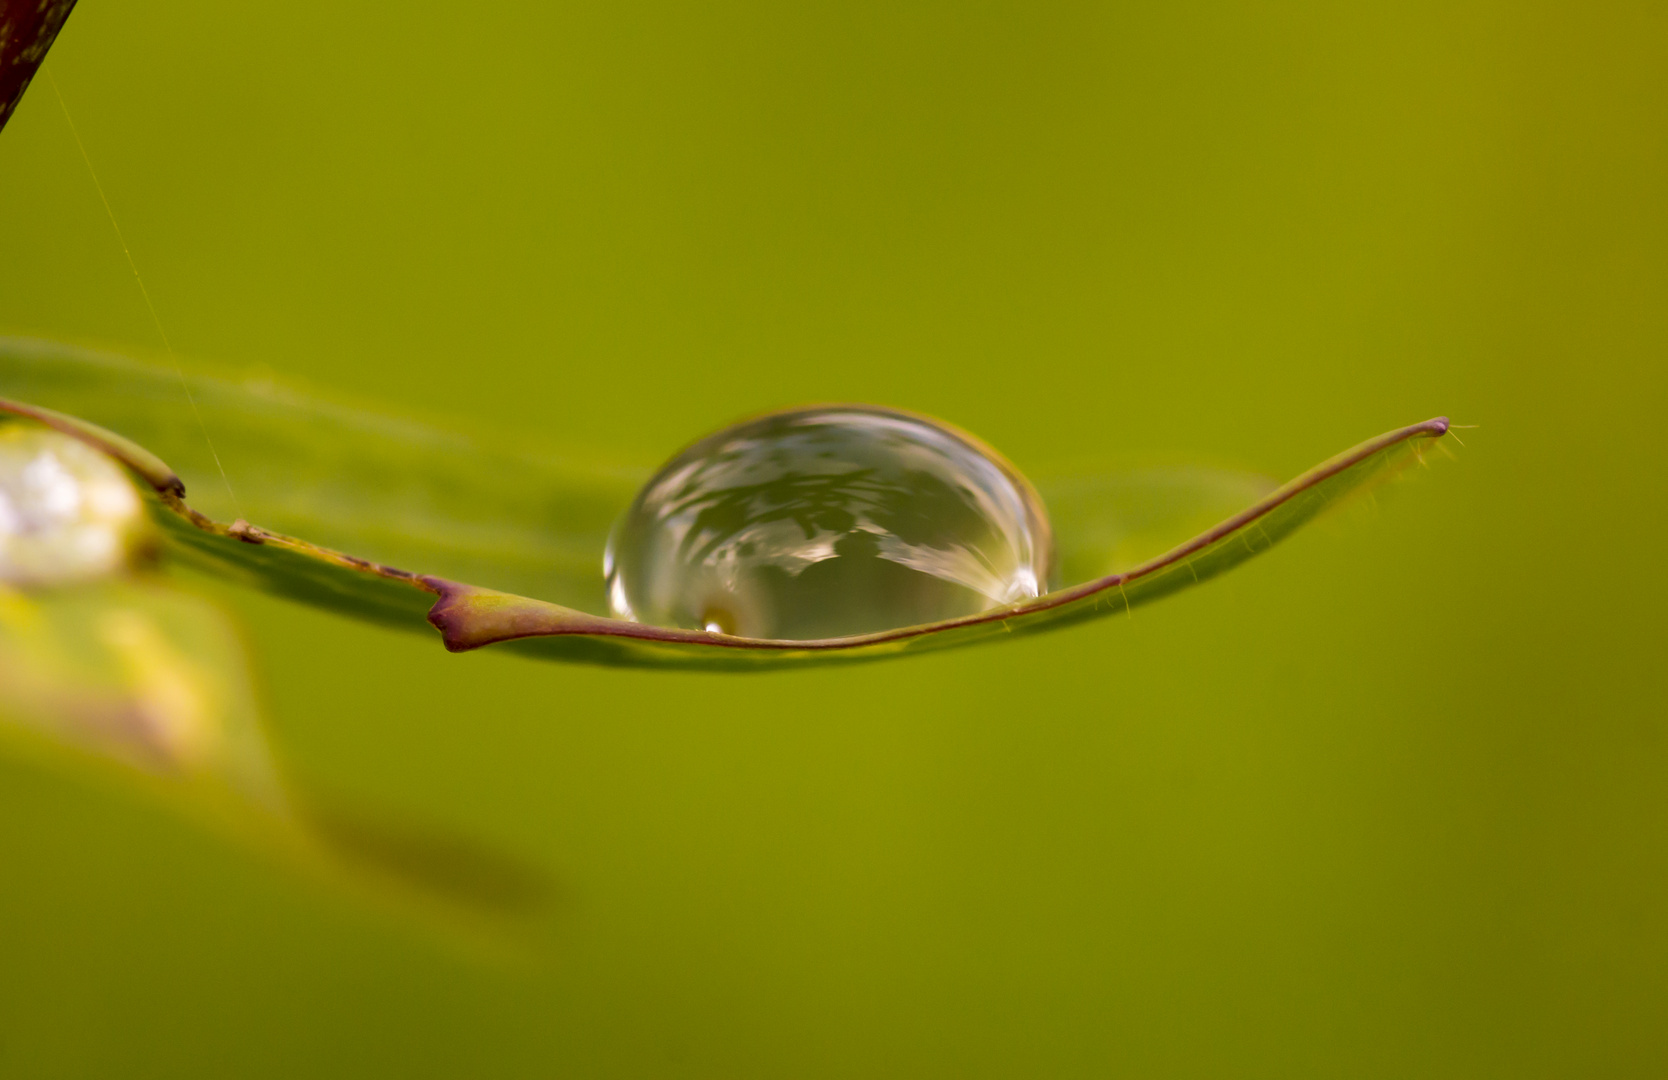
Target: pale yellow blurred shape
{"points": [[67, 512]]}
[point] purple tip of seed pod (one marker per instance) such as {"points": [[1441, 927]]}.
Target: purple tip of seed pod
{"points": [[27, 29]]}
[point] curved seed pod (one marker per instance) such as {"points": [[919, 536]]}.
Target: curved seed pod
{"points": [[529, 526], [470, 617]]}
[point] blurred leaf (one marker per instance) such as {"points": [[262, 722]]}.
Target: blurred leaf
{"points": [[141, 673], [154, 681]]}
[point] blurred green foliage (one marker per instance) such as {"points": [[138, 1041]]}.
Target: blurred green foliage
{"points": [[1387, 801]]}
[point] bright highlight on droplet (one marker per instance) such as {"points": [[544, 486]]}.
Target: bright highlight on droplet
{"points": [[67, 512], [826, 522]]}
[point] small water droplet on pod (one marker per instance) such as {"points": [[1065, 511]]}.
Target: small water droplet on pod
{"points": [[826, 522], [67, 512]]}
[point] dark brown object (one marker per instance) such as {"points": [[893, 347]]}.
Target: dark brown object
{"points": [[27, 29]]}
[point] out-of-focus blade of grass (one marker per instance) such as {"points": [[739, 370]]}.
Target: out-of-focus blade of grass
{"points": [[139, 673], [1107, 520], [27, 30], [150, 682], [396, 491]]}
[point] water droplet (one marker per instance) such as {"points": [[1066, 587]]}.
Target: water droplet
{"points": [[824, 522], [67, 512]]}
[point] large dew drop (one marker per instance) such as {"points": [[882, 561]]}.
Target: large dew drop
{"points": [[826, 522]]}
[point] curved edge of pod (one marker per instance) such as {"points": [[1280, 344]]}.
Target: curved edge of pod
{"points": [[469, 617], [146, 465]]}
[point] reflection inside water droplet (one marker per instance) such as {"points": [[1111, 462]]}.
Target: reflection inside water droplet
{"points": [[825, 522]]}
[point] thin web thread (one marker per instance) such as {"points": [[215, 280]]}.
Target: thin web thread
{"points": [[146, 293]]}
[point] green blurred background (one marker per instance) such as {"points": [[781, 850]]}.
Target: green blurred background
{"points": [[1389, 801]]}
